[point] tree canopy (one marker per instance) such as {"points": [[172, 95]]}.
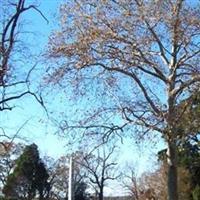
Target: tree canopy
{"points": [[150, 47]]}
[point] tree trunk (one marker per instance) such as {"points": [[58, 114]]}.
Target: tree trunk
{"points": [[172, 171], [101, 193]]}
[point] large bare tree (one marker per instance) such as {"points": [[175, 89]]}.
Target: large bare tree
{"points": [[146, 53]]}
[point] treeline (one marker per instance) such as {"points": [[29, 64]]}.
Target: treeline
{"points": [[29, 177], [26, 176]]}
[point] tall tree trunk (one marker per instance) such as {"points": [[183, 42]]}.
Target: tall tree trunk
{"points": [[101, 193], [172, 171]]}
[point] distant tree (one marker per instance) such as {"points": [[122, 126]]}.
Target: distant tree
{"points": [[155, 183], [89, 171], [59, 177], [80, 191], [9, 152], [29, 177], [101, 168], [196, 193], [130, 182]]}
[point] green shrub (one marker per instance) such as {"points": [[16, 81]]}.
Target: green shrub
{"points": [[196, 193]]}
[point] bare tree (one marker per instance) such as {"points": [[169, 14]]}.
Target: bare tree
{"points": [[100, 168], [59, 175], [131, 182], [14, 56], [9, 151], [149, 186], [155, 183], [147, 53]]}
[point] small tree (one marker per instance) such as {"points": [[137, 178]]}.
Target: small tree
{"points": [[59, 177], [80, 191], [59, 173], [196, 193], [28, 177], [100, 168], [9, 152], [130, 182]]}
